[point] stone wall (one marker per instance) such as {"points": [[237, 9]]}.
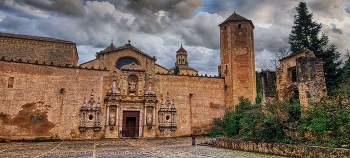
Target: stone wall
{"points": [[312, 83], [44, 101], [283, 149], [268, 85], [199, 97], [34, 48]]}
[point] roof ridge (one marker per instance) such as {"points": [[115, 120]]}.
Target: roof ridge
{"points": [[236, 17], [30, 37], [181, 49], [124, 47]]}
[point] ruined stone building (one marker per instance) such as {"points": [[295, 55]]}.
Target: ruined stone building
{"points": [[301, 75], [121, 93]]}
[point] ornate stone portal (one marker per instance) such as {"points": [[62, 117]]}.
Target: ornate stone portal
{"points": [[167, 117], [90, 115], [130, 111]]}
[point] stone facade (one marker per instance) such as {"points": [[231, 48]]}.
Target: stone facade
{"points": [[121, 93], [237, 59], [301, 74], [34, 48]]}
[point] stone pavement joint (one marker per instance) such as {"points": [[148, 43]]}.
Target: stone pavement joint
{"points": [[50, 150], [122, 148]]}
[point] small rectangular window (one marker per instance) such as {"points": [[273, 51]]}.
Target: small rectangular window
{"points": [[292, 74], [10, 82]]}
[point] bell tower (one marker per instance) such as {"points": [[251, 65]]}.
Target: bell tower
{"points": [[181, 57], [237, 59]]}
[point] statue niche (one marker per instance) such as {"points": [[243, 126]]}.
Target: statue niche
{"points": [[132, 81]]}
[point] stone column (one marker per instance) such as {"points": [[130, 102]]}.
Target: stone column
{"points": [[107, 115]]}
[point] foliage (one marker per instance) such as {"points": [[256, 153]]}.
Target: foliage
{"points": [[328, 122], [306, 34], [176, 70], [249, 122], [258, 98], [214, 132]]}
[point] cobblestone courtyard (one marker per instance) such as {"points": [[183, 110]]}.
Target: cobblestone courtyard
{"points": [[149, 148]]}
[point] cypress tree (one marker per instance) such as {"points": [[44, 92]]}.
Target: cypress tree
{"points": [[176, 70], [306, 34]]}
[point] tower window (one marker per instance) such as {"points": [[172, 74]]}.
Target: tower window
{"points": [[239, 26], [224, 27]]}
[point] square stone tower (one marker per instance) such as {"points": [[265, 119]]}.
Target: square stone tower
{"points": [[237, 59]]}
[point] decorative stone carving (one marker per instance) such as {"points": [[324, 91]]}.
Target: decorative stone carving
{"points": [[132, 81], [111, 101], [167, 116], [90, 115]]}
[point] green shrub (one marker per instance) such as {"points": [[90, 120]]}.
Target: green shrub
{"points": [[214, 133]]}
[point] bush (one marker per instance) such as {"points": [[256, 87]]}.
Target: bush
{"points": [[214, 133]]}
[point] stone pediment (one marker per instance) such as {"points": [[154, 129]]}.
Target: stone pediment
{"points": [[133, 67]]}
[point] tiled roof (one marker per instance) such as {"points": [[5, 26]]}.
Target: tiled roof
{"points": [[183, 67], [236, 17], [37, 38], [126, 46], [110, 48]]}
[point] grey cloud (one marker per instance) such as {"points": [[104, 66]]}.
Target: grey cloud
{"points": [[146, 17], [327, 8], [176, 8], [335, 30], [202, 30], [17, 24], [270, 38], [67, 7], [347, 7]]}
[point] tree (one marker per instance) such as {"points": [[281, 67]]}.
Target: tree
{"points": [[306, 34], [281, 52], [176, 70]]}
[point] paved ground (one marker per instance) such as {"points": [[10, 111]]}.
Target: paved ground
{"points": [[123, 148]]}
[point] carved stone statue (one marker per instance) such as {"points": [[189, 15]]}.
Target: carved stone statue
{"points": [[149, 119], [112, 119], [132, 85]]}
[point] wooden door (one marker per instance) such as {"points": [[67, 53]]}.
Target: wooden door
{"points": [[130, 127], [131, 123]]}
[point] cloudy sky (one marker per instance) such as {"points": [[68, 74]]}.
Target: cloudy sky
{"points": [[159, 27]]}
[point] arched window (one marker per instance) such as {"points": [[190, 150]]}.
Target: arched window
{"points": [[125, 61]]}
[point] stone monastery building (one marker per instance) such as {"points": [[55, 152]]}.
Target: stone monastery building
{"points": [[121, 93]]}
